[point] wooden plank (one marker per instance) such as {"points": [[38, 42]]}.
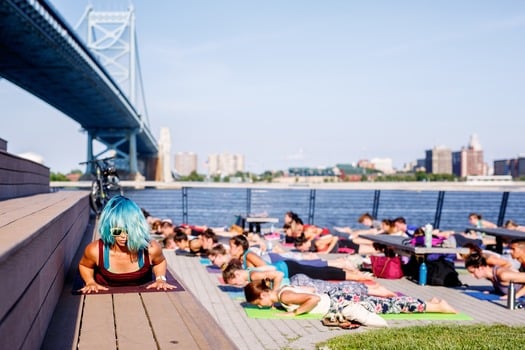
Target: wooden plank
{"points": [[21, 177], [98, 324], [206, 332], [168, 325], [39, 239], [14, 329], [64, 327], [132, 326], [14, 209]]}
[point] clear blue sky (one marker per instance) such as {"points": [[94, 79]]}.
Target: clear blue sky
{"points": [[309, 83]]}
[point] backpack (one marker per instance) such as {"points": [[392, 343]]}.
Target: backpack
{"points": [[441, 272]]}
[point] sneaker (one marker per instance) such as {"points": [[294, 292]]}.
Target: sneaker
{"points": [[354, 261], [358, 313]]}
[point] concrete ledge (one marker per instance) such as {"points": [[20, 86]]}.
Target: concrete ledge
{"points": [[39, 236]]}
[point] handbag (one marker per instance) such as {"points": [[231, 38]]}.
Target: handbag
{"points": [[386, 267], [419, 241]]}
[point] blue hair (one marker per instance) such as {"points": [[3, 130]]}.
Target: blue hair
{"points": [[122, 212]]}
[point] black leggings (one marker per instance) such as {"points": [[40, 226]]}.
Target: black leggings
{"points": [[321, 273]]}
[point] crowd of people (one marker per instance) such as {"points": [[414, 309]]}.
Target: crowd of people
{"points": [[130, 252]]}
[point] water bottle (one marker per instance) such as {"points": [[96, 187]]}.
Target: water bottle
{"points": [[423, 274], [269, 245], [428, 236], [511, 296]]}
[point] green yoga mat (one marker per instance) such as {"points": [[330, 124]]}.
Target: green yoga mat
{"points": [[255, 312]]}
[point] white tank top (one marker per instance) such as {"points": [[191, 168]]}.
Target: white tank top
{"points": [[322, 306]]}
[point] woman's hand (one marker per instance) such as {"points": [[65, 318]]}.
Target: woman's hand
{"points": [[93, 287], [160, 284]]}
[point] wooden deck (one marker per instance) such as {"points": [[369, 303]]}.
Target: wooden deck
{"points": [[159, 320], [250, 333], [206, 317]]}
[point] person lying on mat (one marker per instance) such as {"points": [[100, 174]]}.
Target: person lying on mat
{"points": [[322, 286], [500, 277], [125, 255], [235, 275], [220, 257], [339, 303], [492, 258], [239, 249]]}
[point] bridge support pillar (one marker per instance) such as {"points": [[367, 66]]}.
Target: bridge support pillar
{"points": [[89, 166], [133, 168]]}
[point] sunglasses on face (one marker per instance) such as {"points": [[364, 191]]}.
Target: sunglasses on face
{"points": [[117, 231]]}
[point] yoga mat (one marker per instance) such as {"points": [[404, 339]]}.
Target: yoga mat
{"points": [[228, 289], [79, 283], [489, 296], [213, 269], [236, 295], [482, 296], [205, 261], [255, 312]]}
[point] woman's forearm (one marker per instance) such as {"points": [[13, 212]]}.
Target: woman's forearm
{"points": [[87, 274], [160, 269], [307, 306]]}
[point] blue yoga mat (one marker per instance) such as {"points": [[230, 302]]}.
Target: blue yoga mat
{"points": [[488, 296]]}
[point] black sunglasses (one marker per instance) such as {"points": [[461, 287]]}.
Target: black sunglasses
{"points": [[117, 231]]}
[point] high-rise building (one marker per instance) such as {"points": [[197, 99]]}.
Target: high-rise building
{"points": [[514, 167], [185, 163], [438, 160], [225, 164], [164, 159], [469, 161], [383, 164]]}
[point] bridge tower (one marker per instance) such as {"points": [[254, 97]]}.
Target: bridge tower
{"points": [[111, 37]]}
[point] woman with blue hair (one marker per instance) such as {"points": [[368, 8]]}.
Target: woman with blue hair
{"points": [[124, 255]]}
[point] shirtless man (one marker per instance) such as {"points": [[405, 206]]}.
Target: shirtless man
{"points": [[517, 251]]}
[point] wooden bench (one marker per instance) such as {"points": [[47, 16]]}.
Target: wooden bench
{"points": [[255, 222], [159, 320], [501, 234], [402, 245], [38, 238]]}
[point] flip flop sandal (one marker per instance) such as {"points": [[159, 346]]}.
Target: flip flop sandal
{"points": [[330, 323], [349, 325]]}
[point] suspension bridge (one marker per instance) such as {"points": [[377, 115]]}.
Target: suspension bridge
{"points": [[93, 78]]}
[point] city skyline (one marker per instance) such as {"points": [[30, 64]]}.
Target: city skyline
{"points": [[335, 82], [383, 164]]}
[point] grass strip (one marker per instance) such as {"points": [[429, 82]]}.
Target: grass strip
{"points": [[435, 337]]}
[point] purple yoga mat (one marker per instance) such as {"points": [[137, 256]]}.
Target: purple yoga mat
{"points": [[79, 283]]}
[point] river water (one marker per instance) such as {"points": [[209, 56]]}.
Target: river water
{"points": [[217, 207]]}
